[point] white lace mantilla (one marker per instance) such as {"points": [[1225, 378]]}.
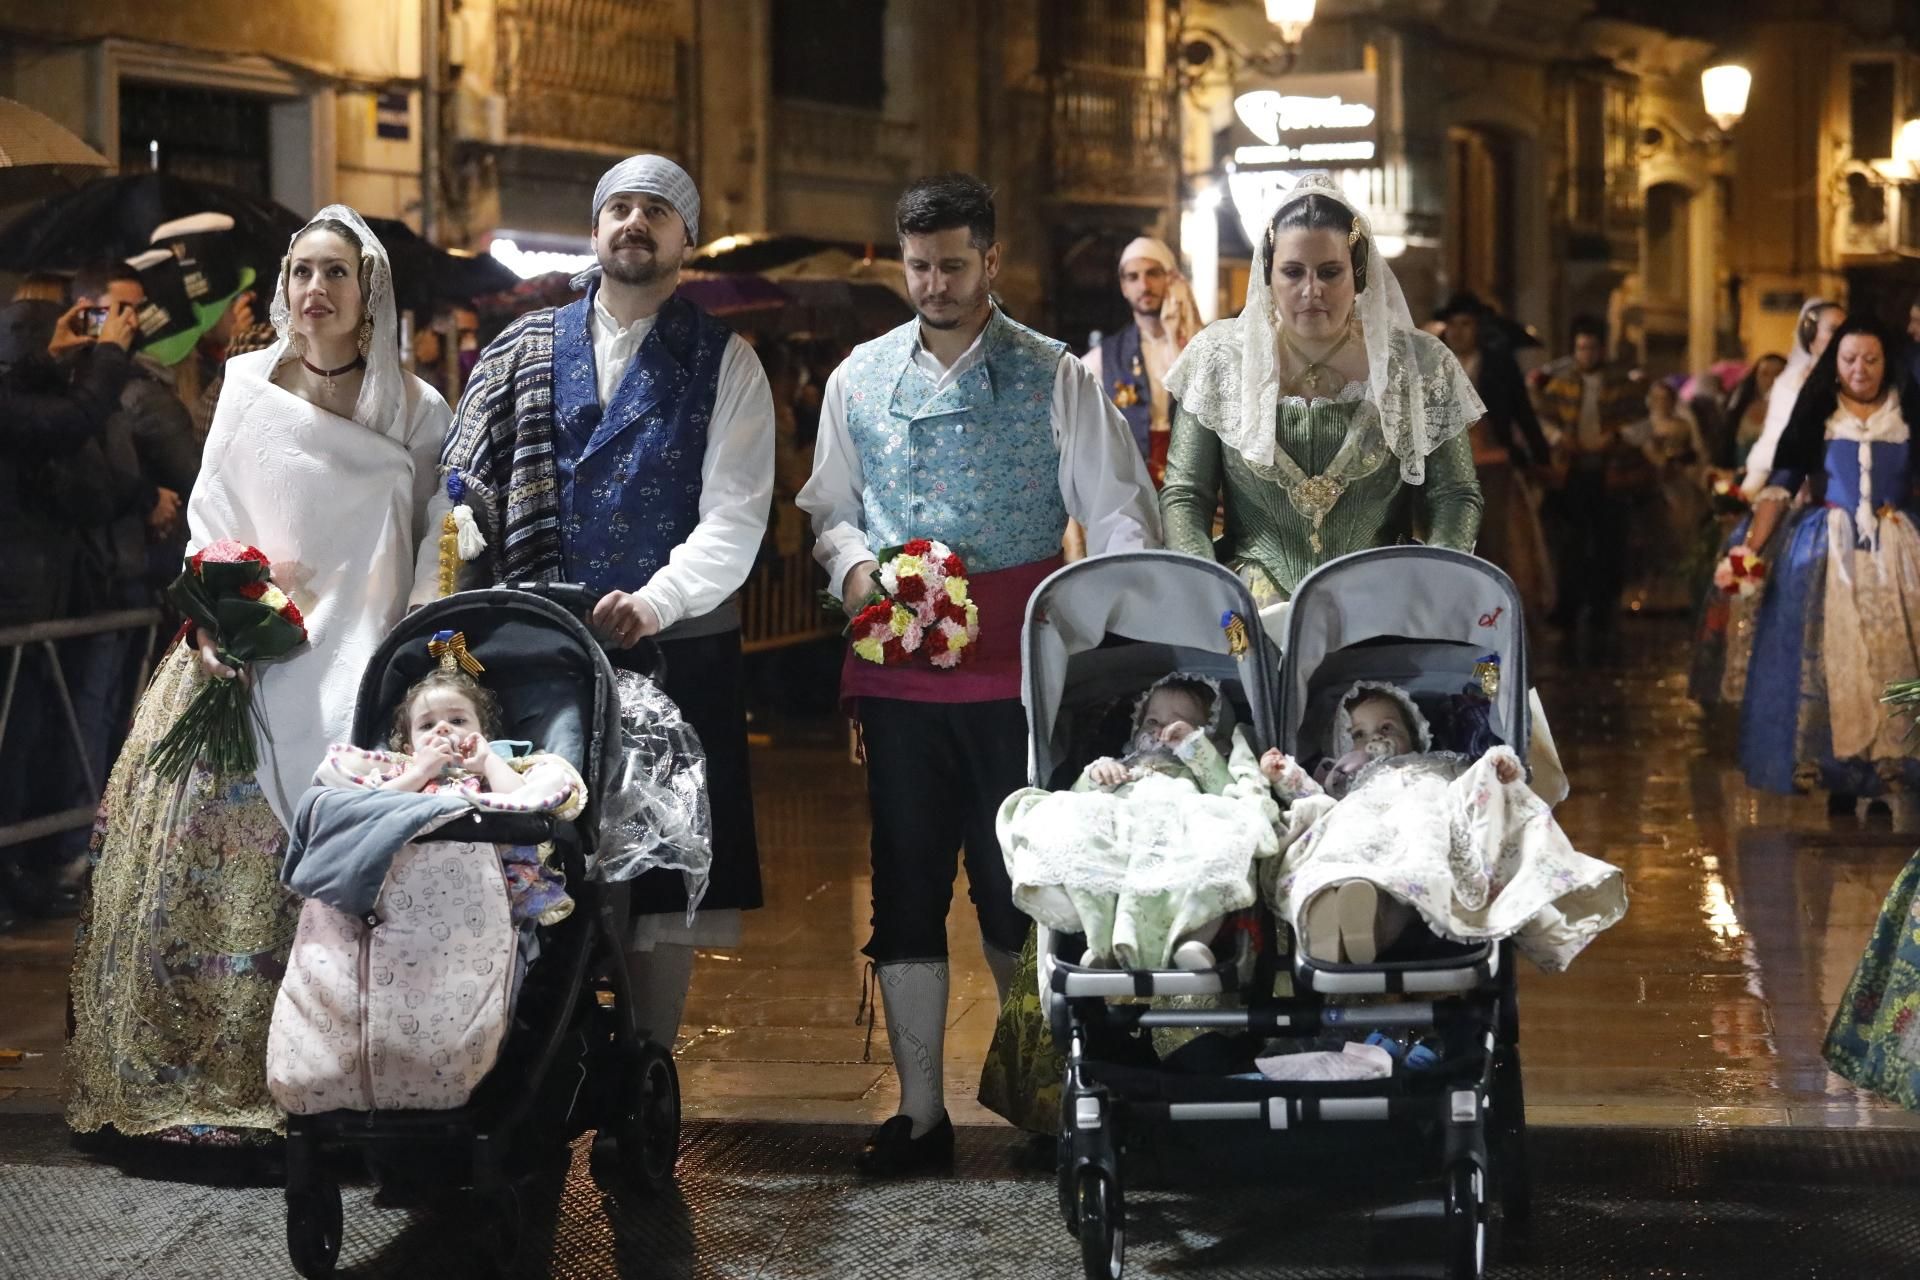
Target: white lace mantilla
{"points": [[1427, 400]]}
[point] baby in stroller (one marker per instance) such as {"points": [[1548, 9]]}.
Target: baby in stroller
{"points": [[446, 720], [1402, 831], [1149, 852], [412, 943]]}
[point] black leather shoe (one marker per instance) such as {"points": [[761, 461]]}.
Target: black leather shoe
{"points": [[893, 1150]]}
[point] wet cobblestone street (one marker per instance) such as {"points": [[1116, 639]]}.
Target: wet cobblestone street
{"points": [[1696, 1020]]}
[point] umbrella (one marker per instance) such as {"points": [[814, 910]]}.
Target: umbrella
{"points": [[114, 218], [38, 157], [760, 252], [838, 266], [1496, 328], [425, 274], [725, 295]]}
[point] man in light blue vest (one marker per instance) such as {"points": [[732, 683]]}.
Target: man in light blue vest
{"points": [[963, 427]]}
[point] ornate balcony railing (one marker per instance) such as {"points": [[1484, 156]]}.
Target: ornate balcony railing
{"points": [[1112, 136], [815, 139], [598, 73]]}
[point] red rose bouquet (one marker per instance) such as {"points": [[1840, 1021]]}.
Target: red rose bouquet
{"points": [[227, 589], [920, 606]]}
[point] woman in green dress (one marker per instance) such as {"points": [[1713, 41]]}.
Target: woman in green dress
{"points": [[1328, 424], [1326, 421]]}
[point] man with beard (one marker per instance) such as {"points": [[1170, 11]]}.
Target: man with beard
{"points": [[1131, 365], [626, 442], [963, 427]]}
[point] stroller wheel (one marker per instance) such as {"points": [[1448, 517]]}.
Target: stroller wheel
{"points": [[1466, 1206], [1511, 1175], [1103, 1228], [647, 1128], [314, 1228], [501, 1230]]}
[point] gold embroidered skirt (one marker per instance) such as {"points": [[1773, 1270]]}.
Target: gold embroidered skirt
{"points": [[182, 944]]}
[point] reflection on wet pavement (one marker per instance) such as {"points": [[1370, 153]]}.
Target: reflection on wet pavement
{"points": [[1707, 1005]]}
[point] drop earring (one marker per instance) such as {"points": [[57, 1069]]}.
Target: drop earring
{"points": [[366, 335]]}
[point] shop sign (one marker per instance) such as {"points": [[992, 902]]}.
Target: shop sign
{"points": [[1325, 121]]}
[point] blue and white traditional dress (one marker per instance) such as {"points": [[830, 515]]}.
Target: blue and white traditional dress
{"points": [[1838, 621]]}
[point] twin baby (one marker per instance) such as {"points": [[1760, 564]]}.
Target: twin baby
{"points": [[1149, 852]]}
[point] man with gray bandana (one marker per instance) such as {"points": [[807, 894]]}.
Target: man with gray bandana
{"points": [[625, 442]]}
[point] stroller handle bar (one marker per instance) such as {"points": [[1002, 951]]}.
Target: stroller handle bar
{"points": [[579, 600]]}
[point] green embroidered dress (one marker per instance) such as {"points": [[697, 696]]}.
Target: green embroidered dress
{"points": [[1334, 487]]}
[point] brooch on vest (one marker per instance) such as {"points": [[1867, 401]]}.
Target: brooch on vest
{"points": [[1127, 394]]}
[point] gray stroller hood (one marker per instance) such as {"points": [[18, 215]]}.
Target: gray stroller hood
{"points": [[1109, 626], [1424, 618]]}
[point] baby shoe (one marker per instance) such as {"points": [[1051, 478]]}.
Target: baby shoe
{"points": [[1193, 955], [1423, 1057], [1381, 1040], [1357, 904]]}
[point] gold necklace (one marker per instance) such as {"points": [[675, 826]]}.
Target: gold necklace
{"points": [[1307, 381]]}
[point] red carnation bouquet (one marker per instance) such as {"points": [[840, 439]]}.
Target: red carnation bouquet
{"points": [[1741, 573], [920, 607], [227, 589]]}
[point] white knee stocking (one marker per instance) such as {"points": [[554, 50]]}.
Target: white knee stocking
{"points": [[915, 995], [660, 979]]}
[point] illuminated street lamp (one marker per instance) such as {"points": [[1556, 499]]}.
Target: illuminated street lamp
{"points": [[1906, 149], [1291, 18], [1725, 90], [1198, 45]]}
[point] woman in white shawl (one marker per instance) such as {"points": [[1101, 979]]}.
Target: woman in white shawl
{"points": [[322, 454], [1723, 634], [1819, 317]]}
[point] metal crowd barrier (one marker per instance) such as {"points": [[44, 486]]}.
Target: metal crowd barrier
{"points": [[14, 642], [780, 605]]}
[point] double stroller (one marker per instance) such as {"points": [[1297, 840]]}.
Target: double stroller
{"points": [[1426, 619], [573, 1058]]}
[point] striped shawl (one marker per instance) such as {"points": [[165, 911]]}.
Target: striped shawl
{"points": [[501, 445]]}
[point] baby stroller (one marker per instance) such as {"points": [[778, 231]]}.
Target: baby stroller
{"points": [[1426, 619], [573, 1059]]}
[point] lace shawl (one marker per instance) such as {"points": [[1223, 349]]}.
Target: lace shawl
{"points": [[1229, 375]]}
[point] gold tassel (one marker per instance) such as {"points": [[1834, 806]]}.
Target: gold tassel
{"points": [[449, 553]]}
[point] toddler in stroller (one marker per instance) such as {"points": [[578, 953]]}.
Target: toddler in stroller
{"points": [[445, 720], [1405, 830], [1146, 855], [410, 935], [412, 1012]]}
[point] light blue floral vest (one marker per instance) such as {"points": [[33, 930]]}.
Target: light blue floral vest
{"points": [[973, 466]]}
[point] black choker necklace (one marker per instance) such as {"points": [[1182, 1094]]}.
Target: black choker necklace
{"points": [[331, 374]]}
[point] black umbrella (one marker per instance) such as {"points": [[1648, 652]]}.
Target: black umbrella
{"points": [[764, 252], [114, 217], [425, 274], [1496, 327]]}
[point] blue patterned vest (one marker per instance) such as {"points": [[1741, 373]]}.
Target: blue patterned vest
{"points": [[973, 466], [1122, 365], [630, 473]]}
